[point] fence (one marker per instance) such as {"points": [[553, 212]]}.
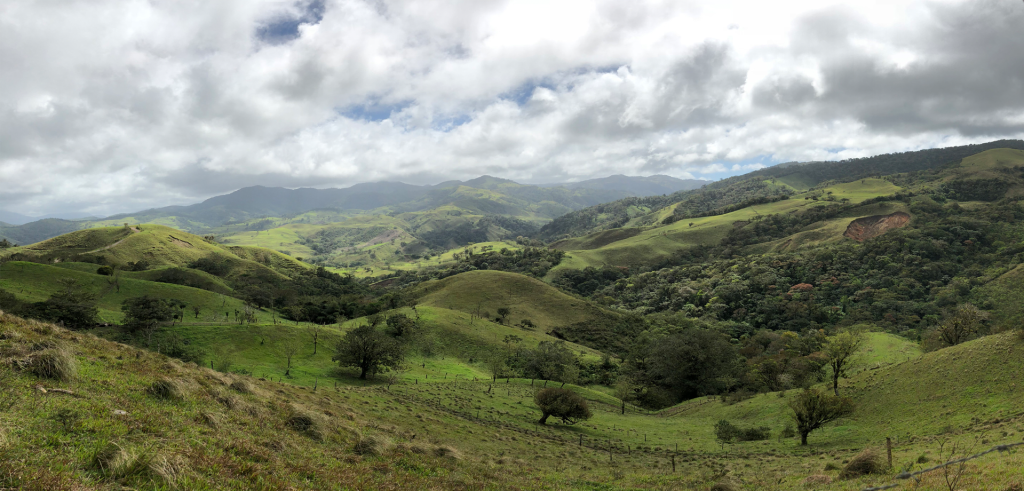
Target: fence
{"points": [[913, 475]]}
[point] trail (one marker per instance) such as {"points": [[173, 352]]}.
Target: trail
{"points": [[134, 231]]}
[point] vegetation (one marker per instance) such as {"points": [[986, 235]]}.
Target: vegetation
{"points": [[813, 409], [369, 350], [744, 313], [561, 403]]}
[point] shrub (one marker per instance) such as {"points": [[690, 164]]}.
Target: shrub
{"points": [[167, 389], [105, 270], [867, 462], [561, 403], [55, 363], [726, 432]]}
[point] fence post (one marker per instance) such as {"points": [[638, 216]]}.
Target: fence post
{"points": [[673, 463], [888, 449]]}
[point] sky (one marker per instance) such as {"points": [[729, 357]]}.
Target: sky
{"points": [[116, 106]]}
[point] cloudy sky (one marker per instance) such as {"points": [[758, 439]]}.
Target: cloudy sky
{"points": [[111, 106]]}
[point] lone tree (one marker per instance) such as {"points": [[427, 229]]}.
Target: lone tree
{"points": [[813, 409], [368, 349], [146, 313], [561, 403], [503, 312], [963, 325], [839, 351]]}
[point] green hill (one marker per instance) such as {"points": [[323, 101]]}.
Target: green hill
{"points": [[158, 246]]}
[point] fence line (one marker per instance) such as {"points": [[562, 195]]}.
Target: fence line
{"points": [[913, 475]]}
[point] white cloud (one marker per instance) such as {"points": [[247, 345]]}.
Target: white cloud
{"points": [[112, 106]]}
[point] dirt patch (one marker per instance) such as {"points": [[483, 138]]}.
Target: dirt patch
{"points": [[384, 237], [180, 243], [866, 228]]}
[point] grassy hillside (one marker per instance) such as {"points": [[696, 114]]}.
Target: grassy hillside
{"points": [[242, 432], [158, 246], [487, 291], [33, 282]]}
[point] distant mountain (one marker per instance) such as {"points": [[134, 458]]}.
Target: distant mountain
{"points": [[636, 185], [12, 218]]}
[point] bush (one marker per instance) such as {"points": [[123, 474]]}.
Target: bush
{"points": [[105, 271], [55, 363], [561, 403], [867, 462], [726, 432]]}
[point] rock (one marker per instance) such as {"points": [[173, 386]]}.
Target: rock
{"points": [[119, 412]]}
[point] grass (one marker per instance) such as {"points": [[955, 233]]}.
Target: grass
{"points": [[528, 298], [33, 282], [634, 247], [213, 432]]}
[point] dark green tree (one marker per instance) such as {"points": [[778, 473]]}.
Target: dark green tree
{"points": [[369, 350], [146, 313], [561, 403], [70, 306]]}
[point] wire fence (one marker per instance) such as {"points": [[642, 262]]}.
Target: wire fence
{"points": [[914, 475]]}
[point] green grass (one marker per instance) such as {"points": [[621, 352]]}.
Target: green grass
{"points": [[956, 393], [528, 298], [33, 282], [861, 190]]}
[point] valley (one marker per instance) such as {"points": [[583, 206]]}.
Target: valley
{"points": [[667, 314]]}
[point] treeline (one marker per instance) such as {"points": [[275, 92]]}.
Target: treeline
{"points": [[530, 261], [491, 227], [603, 217], [905, 280]]}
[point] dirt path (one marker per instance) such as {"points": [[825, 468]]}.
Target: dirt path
{"points": [[134, 231]]}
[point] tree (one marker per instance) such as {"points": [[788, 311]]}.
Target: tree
{"points": [[314, 332], [70, 306], [147, 313], [813, 409], [511, 339], [549, 361], [369, 350], [497, 363], [196, 309], [561, 403], [964, 324], [400, 325], [289, 348], [503, 312], [839, 350]]}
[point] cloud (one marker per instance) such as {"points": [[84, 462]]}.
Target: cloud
{"points": [[111, 106]]}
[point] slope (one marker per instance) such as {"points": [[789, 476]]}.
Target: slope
{"points": [[159, 246]]}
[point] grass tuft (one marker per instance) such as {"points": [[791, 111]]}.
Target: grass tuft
{"points": [[167, 389], [867, 462], [305, 421], [117, 462], [56, 363], [375, 445], [242, 386], [447, 452]]}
